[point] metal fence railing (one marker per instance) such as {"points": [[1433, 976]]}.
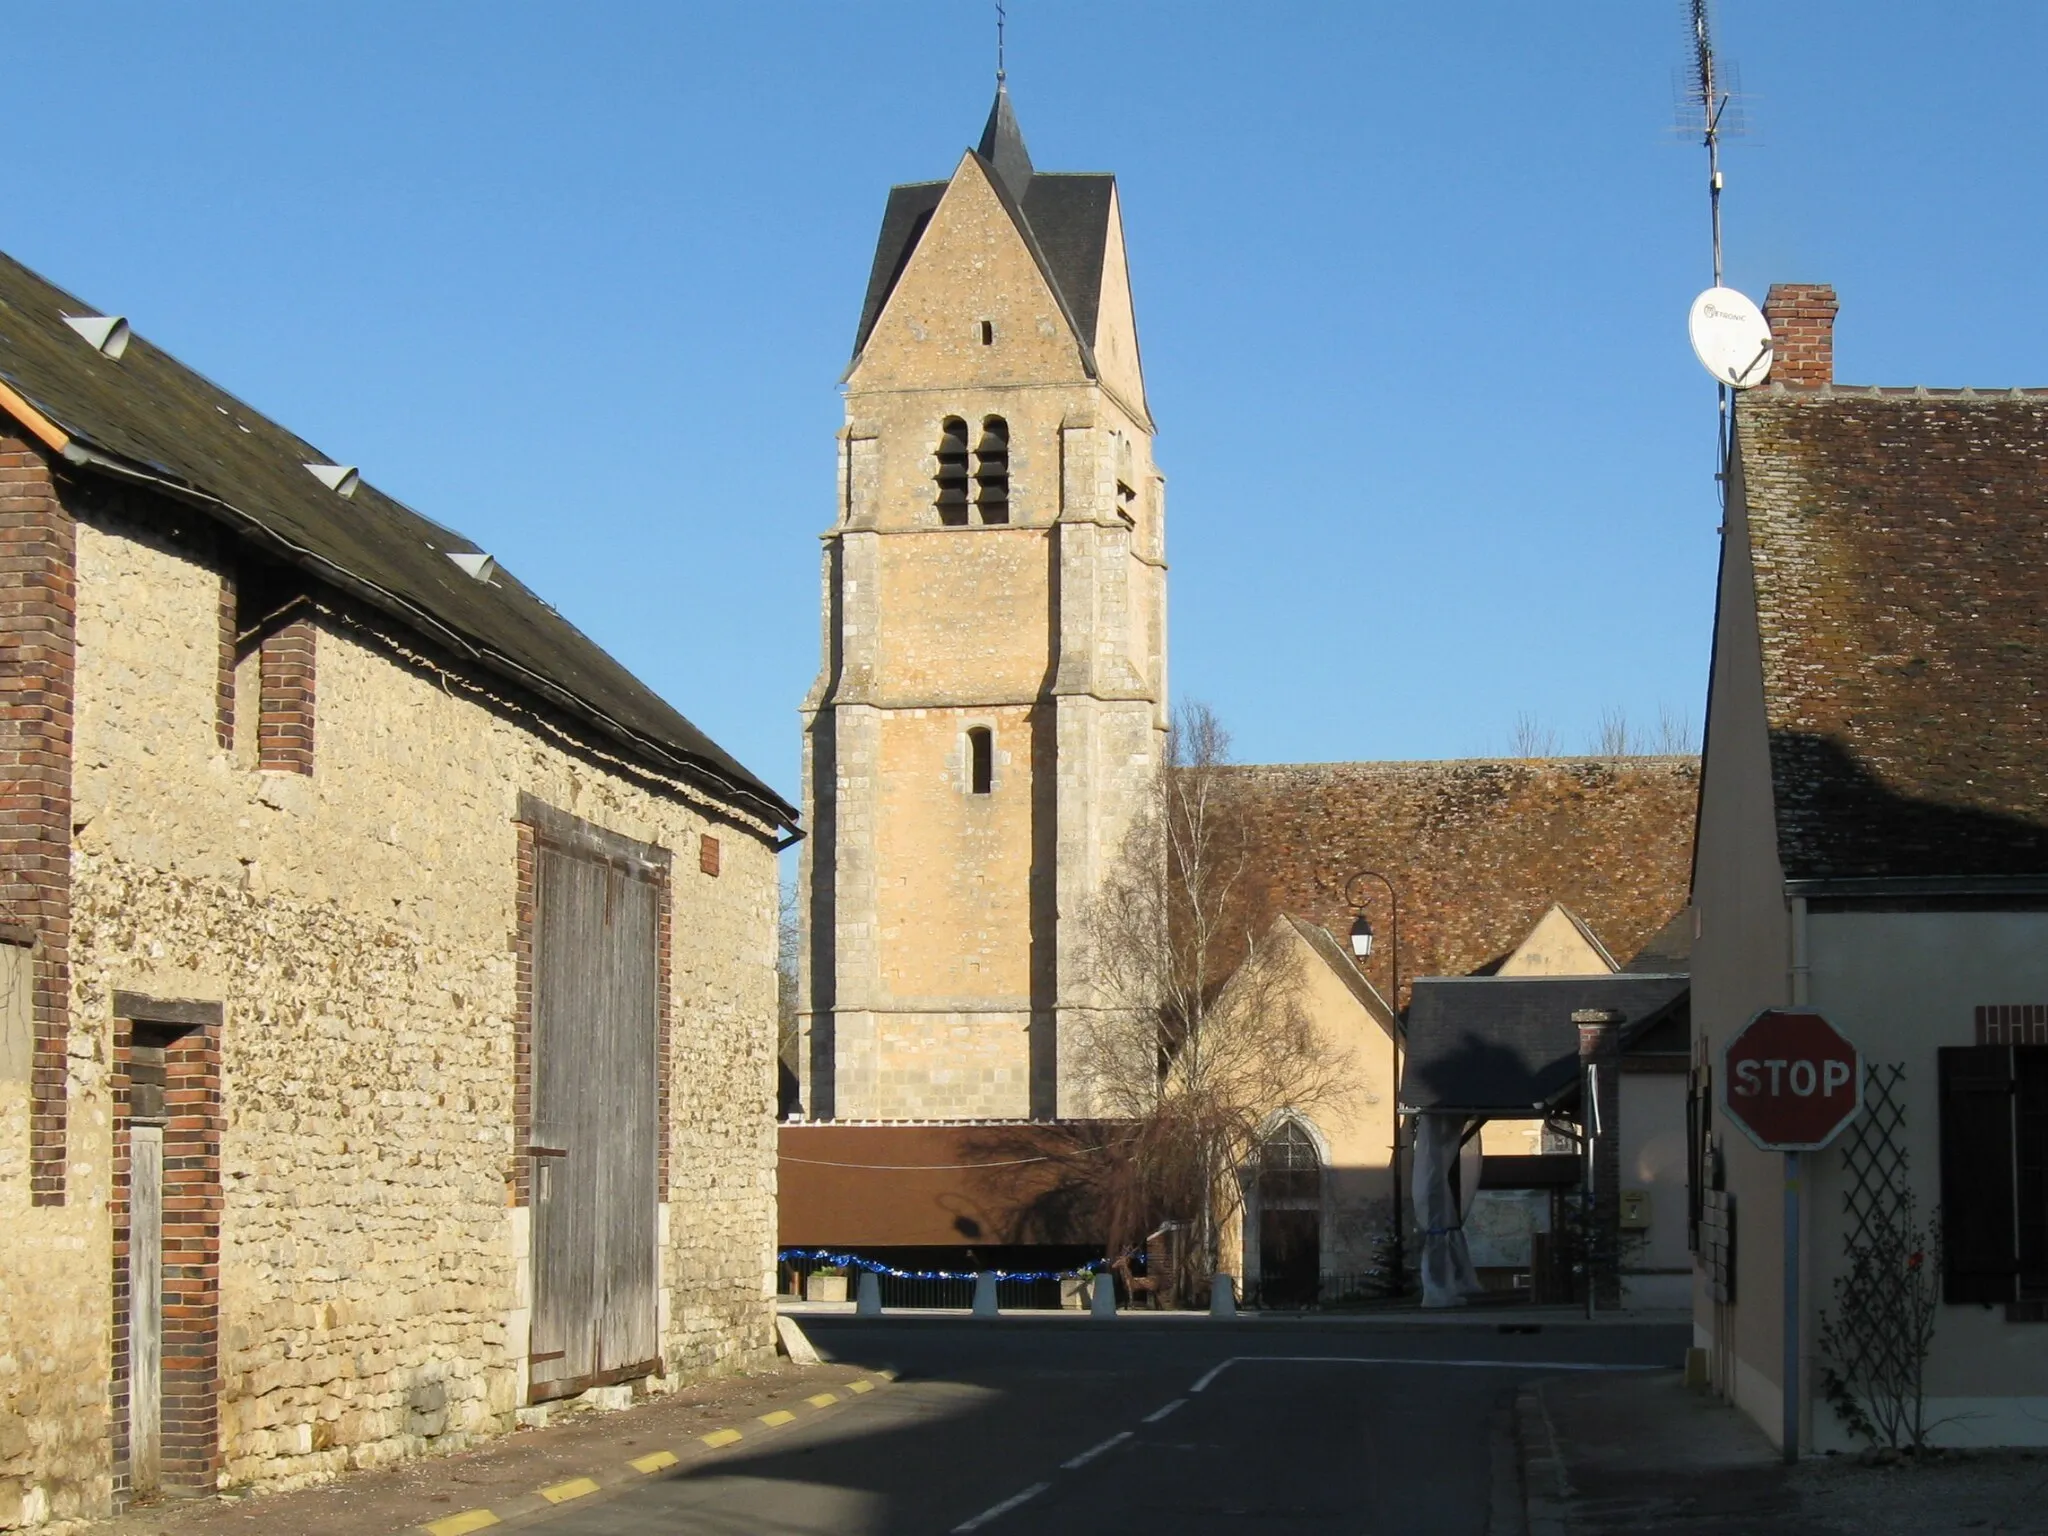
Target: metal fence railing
{"points": [[816, 1280]]}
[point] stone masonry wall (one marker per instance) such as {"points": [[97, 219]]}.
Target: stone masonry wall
{"points": [[357, 924]]}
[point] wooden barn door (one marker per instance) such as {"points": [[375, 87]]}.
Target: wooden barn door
{"points": [[594, 1138]]}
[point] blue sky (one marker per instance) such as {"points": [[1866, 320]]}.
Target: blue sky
{"points": [[1411, 283]]}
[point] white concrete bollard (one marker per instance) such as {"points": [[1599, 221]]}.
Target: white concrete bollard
{"points": [[1103, 1302], [985, 1294], [868, 1303], [1222, 1296]]}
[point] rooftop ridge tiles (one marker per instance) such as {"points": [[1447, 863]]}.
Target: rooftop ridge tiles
{"points": [[1380, 763], [1779, 391]]}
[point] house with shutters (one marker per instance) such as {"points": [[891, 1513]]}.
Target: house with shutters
{"points": [[387, 976], [1873, 844]]}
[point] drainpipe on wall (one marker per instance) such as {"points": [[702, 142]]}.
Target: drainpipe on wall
{"points": [[1799, 1415]]}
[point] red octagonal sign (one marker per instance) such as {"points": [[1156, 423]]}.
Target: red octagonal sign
{"points": [[1791, 1081]]}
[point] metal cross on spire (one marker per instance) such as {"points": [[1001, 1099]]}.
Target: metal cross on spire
{"points": [[1002, 17]]}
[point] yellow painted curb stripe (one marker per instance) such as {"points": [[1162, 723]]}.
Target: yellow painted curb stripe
{"points": [[654, 1461], [462, 1524], [779, 1416], [885, 1375], [823, 1399], [719, 1437], [860, 1386], [575, 1488]]}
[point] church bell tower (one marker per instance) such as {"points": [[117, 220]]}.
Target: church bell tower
{"points": [[989, 709]]}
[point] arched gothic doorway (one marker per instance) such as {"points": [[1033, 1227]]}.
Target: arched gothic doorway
{"points": [[1290, 1206]]}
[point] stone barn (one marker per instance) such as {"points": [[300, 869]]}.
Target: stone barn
{"points": [[387, 1014]]}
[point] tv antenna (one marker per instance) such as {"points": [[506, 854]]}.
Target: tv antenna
{"points": [[1710, 101], [1729, 334]]}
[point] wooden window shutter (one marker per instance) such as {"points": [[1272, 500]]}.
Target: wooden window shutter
{"points": [[2030, 1167], [1980, 1250]]}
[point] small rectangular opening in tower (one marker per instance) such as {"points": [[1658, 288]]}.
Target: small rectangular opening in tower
{"points": [[981, 760], [988, 333]]}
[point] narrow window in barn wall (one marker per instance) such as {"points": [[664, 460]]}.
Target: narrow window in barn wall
{"points": [[992, 471], [952, 477], [284, 730], [981, 760], [269, 685]]}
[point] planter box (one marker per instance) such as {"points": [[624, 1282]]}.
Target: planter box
{"points": [[824, 1288]]}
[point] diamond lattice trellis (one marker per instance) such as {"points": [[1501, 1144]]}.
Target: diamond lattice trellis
{"points": [[1874, 1154]]}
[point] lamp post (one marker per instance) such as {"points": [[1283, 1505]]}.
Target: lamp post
{"points": [[1361, 946]]}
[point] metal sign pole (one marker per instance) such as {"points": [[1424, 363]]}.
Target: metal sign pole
{"points": [[1791, 1368]]}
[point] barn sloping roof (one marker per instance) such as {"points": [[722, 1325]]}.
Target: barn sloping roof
{"points": [[1900, 546], [147, 417], [1507, 1044]]}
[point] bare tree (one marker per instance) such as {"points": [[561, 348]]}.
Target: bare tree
{"points": [[788, 937], [1532, 737], [1614, 738], [1674, 734], [1199, 1033]]}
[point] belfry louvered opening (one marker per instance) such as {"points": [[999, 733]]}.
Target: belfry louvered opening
{"points": [[992, 471], [952, 478]]}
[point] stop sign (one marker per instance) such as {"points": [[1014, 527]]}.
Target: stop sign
{"points": [[1791, 1081]]}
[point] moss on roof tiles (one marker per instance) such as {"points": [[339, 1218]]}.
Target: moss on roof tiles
{"points": [[1900, 544], [149, 412]]}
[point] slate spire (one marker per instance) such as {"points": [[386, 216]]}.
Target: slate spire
{"points": [[1002, 145]]}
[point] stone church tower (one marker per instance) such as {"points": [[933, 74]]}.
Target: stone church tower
{"points": [[989, 711]]}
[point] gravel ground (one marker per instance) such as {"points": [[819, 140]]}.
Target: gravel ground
{"points": [[1988, 1491]]}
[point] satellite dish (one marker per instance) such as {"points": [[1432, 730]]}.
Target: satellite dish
{"points": [[1730, 337]]}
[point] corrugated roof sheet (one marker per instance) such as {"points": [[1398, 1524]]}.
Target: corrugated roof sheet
{"points": [[1508, 1044], [149, 413], [1900, 542]]}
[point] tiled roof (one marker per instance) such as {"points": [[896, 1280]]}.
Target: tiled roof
{"points": [[1900, 543], [146, 416], [1668, 951], [1478, 848]]}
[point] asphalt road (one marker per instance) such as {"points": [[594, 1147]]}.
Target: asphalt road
{"points": [[1088, 1429]]}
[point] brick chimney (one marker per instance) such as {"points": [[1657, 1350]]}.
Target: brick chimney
{"points": [[1802, 317]]}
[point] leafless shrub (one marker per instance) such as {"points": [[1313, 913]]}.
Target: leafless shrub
{"points": [[1674, 734], [1613, 738], [1532, 738]]}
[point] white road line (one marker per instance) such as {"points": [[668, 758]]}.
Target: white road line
{"points": [[1000, 1509], [1094, 1451], [1155, 1417], [1495, 1365]]}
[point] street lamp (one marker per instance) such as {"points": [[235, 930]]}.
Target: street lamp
{"points": [[1361, 946]]}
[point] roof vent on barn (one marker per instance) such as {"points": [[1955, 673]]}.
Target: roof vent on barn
{"points": [[474, 564], [107, 334], [341, 479]]}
